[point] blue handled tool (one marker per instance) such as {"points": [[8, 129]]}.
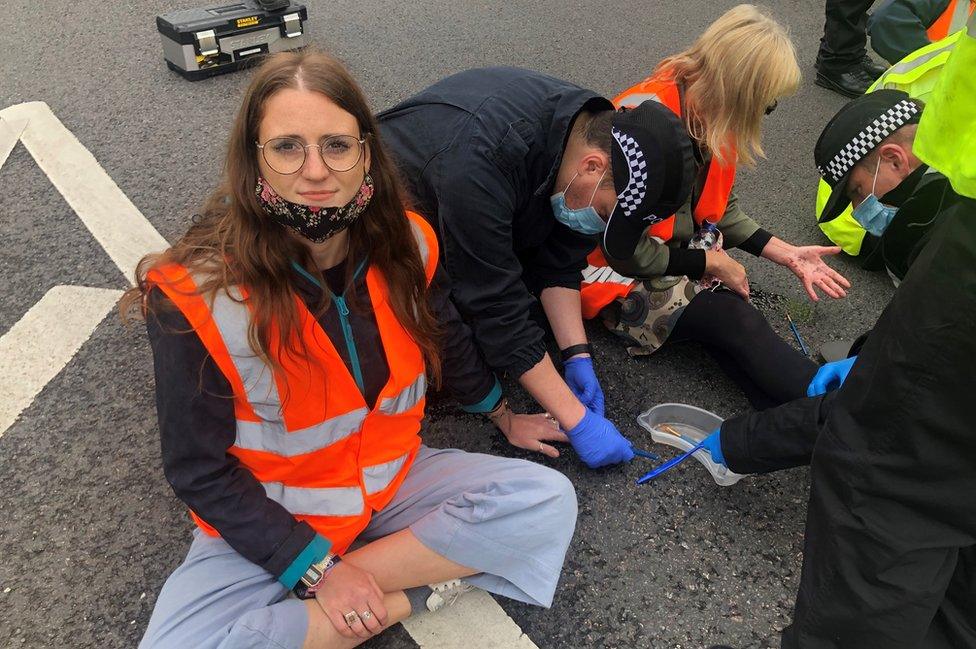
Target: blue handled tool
{"points": [[656, 471], [796, 334], [645, 454]]}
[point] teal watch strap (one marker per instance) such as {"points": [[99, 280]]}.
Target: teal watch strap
{"points": [[317, 549]]}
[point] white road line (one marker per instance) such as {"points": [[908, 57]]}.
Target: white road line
{"points": [[109, 215], [9, 134], [38, 347], [476, 621]]}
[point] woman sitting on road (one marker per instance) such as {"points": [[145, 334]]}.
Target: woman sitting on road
{"points": [[722, 87], [293, 331]]}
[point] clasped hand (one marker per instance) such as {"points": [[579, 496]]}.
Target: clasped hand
{"points": [[348, 589]]}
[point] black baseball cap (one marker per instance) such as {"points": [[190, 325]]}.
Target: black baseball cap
{"points": [[853, 133], [653, 172]]}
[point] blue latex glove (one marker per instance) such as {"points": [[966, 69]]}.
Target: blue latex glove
{"points": [[830, 376], [581, 379], [714, 445], [598, 442]]}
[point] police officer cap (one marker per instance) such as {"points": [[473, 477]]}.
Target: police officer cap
{"points": [[853, 133], [653, 172]]}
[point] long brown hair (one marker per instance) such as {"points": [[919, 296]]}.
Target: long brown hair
{"points": [[738, 67], [233, 242]]}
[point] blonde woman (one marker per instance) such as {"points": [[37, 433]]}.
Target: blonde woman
{"points": [[679, 283]]}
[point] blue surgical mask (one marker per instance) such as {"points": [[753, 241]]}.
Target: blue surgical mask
{"points": [[584, 220], [872, 214]]}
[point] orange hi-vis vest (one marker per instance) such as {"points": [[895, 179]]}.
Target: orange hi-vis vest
{"points": [[304, 430], [601, 285], [952, 19]]}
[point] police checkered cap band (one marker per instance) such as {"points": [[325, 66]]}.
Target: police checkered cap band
{"points": [[633, 194], [886, 124]]}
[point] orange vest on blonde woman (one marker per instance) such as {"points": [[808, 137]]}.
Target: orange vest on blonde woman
{"points": [[304, 429], [953, 19], [601, 285]]}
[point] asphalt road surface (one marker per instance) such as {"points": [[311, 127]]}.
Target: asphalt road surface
{"points": [[90, 529]]}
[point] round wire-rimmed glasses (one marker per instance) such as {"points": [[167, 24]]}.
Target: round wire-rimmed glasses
{"points": [[286, 155]]}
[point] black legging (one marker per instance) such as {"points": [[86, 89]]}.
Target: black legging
{"points": [[767, 368]]}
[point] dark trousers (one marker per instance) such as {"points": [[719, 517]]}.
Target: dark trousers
{"points": [[845, 34], [767, 368], [922, 585], [888, 546]]}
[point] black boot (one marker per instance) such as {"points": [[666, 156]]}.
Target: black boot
{"points": [[852, 82], [872, 67]]}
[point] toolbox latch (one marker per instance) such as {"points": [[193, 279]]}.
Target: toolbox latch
{"points": [[293, 25], [207, 40]]}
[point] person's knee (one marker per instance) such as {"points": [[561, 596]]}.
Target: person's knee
{"points": [[556, 497], [739, 318], [172, 635], [700, 308], [242, 625], [704, 311], [714, 316], [253, 629], [263, 628], [749, 321]]}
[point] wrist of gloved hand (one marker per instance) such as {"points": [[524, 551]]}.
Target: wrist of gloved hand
{"points": [[583, 383], [578, 360], [578, 372], [713, 443], [598, 442], [830, 376]]}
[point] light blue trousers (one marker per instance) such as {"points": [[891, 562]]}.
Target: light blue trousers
{"points": [[512, 520]]}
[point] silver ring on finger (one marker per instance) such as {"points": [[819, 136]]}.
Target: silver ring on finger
{"points": [[351, 617], [365, 615], [541, 449]]}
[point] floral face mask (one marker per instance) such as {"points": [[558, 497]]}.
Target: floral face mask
{"points": [[314, 223]]}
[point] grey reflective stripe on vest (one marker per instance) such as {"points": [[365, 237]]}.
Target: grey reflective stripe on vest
{"points": [[904, 67], [378, 477], [271, 436], [418, 234], [605, 275], [639, 98], [407, 399], [232, 318], [959, 17], [317, 501]]}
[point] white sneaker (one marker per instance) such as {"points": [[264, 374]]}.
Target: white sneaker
{"points": [[446, 593]]}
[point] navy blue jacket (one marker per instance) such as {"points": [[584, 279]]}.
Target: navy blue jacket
{"points": [[479, 152]]}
